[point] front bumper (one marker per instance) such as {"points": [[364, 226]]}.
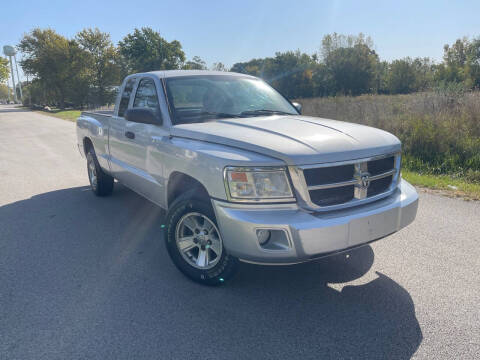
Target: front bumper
{"points": [[312, 235]]}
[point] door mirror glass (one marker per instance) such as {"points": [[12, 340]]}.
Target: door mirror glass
{"points": [[298, 106], [143, 116]]}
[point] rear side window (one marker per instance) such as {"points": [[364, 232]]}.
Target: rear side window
{"points": [[125, 97], [146, 96]]}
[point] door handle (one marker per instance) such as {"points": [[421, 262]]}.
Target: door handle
{"points": [[130, 135]]}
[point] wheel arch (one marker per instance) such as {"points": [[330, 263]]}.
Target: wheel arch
{"points": [[87, 145], [179, 183]]}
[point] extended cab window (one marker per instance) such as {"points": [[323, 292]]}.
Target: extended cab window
{"points": [[146, 96], [126, 97]]}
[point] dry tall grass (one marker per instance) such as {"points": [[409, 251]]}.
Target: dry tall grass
{"points": [[440, 131]]}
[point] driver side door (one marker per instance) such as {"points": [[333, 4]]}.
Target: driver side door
{"points": [[139, 140]]}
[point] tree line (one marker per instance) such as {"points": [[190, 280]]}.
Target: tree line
{"points": [[86, 69], [349, 65]]}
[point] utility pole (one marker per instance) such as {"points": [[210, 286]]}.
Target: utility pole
{"points": [[9, 94], [13, 81], [18, 78], [10, 52]]}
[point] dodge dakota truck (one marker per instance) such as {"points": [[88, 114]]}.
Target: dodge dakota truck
{"points": [[242, 174]]}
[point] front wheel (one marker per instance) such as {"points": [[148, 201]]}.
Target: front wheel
{"points": [[195, 244]]}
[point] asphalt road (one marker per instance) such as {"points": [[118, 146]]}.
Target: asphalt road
{"points": [[89, 278]]}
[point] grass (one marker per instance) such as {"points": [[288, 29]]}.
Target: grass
{"points": [[70, 115], [452, 186]]}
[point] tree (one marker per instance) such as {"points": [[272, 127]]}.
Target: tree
{"points": [[401, 77], [350, 63], [472, 66], [380, 85], [218, 66], [322, 81], [4, 91], [290, 72], [461, 64], [4, 70], [454, 59], [424, 72], [34, 93], [59, 66], [253, 67], [146, 50], [103, 70], [195, 64]]}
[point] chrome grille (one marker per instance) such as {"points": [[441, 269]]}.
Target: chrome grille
{"points": [[331, 186]]}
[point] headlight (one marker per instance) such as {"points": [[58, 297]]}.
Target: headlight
{"points": [[258, 184]]}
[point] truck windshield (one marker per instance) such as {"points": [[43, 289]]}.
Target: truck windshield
{"points": [[203, 98]]}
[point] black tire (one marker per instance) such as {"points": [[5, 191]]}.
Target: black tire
{"points": [[226, 266], [103, 183]]}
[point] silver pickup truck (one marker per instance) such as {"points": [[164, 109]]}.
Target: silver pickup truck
{"points": [[242, 174]]}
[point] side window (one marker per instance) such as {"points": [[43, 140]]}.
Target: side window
{"points": [[125, 97], [146, 96]]}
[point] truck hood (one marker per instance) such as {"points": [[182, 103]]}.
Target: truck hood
{"points": [[295, 139]]}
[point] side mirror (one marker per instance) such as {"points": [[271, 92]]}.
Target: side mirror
{"points": [[143, 116], [298, 106]]}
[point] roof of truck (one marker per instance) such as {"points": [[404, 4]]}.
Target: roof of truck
{"points": [[175, 73]]}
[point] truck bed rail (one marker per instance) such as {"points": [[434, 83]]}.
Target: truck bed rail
{"points": [[98, 112]]}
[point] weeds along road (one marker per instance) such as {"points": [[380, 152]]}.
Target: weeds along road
{"points": [[87, 277]]}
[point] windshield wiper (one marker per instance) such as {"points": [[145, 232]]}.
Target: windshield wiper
{"points": [[217, 115], [203, 116], [261, 112]]}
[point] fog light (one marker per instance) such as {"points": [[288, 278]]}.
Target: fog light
{"points": [[263, 236]]}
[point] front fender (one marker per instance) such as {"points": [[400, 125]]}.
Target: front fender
{"points": [[205, 162]]}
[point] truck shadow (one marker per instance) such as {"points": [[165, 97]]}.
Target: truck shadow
{"points": [[93, 275]]}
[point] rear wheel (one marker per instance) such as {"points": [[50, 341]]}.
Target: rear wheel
{"points": [[195, 244], [100, 182]]}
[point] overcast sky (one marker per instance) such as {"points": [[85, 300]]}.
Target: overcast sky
{"points": [[232, 31]]}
